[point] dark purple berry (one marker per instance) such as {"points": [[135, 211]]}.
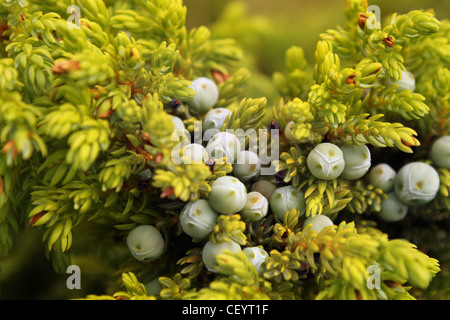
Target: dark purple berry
{"points": [[304, 268], [210, 163], [279, 176], [176, 103], [144, 183], [274, 125]]}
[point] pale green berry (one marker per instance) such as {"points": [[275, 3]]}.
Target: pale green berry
{"points": [[145, 243], [215, 118], [223, 144], [416, 183], [178, 123], [440, 152], [257, 257], [326, 161], [392, 209], [288, 131], [211, 250], [406, 82], [228, 195], [179, 130], [382, 176], [206, 94], [319, 222], [247, 165], [265, 187], [153, 287], [357, 161], [256, 206], [196, 153], [285, 199], [146, 174], [198, 218]]}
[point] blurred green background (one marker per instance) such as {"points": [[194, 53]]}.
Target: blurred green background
{"points": [[265, 29]]}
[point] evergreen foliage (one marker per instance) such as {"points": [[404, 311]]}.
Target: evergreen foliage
{"points": [[87, 138]]}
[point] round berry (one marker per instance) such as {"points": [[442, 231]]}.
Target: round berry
{"points": [[257, 257], [206, 94], [274, 125], [392, 209], [279, 178], [288, 131], [285, 199], [215, 118], [357, 161], [178, 123], [180, 130], [198, 218], [145, 243], [195, 152], [210, 163], [145, 174], [211, 250], [247, 165], [223, 144], [175, 103], [319, 222], [416, 183], [406, 82], [153, 287], [144, 183], [256, 206], [265, 187], [382, 176], [440, 152], [228, 195], [144, 179], [326, 161]]}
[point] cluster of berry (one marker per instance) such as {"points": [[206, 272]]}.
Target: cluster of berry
{"points": [[228, 193], [328, 161], [416, 183]]}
